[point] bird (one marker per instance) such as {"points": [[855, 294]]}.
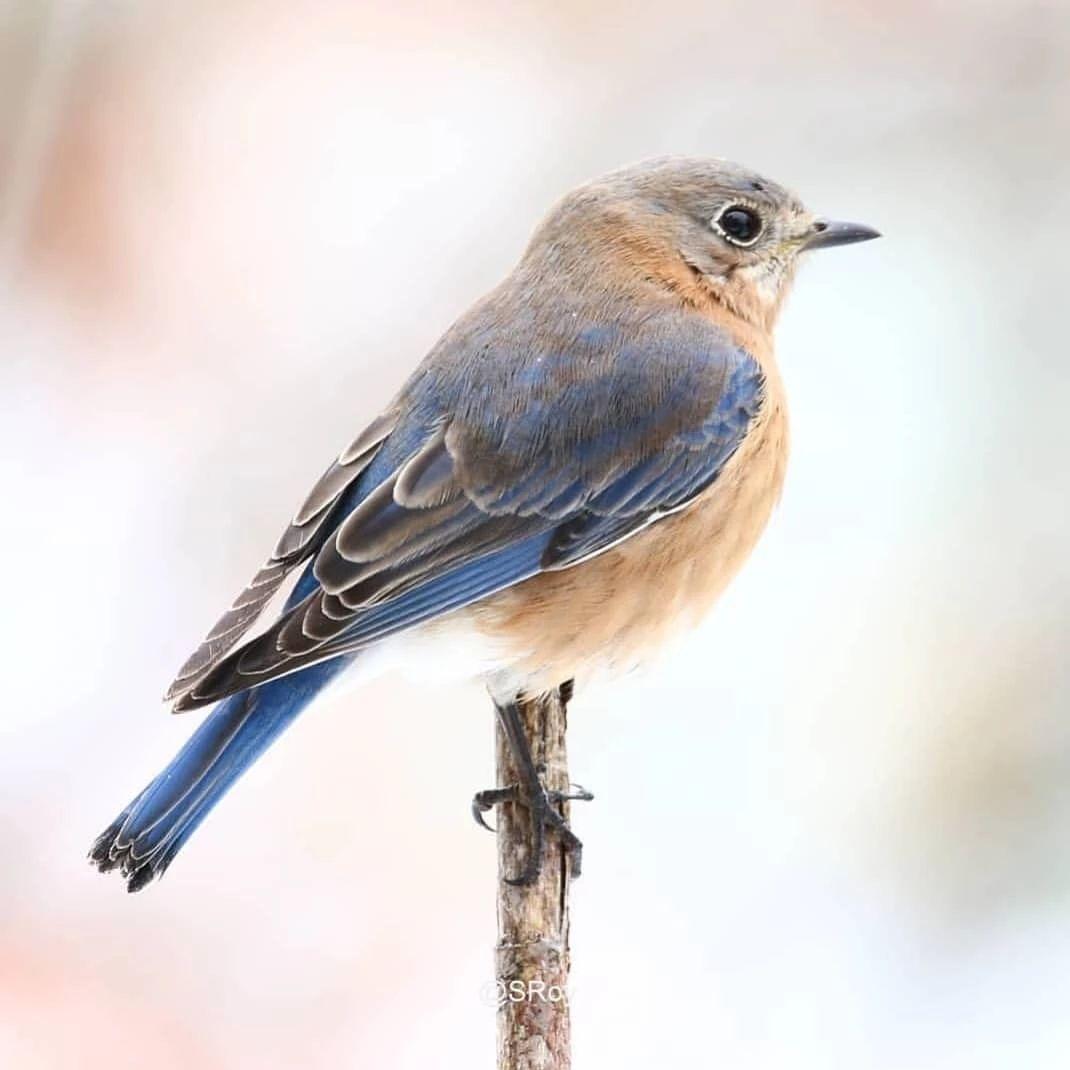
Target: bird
{"points": [[572, 474]]}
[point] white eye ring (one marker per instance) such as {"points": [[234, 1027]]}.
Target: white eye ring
{"points": [[735, 239]]}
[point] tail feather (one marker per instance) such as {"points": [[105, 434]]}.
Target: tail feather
{"points": [[144, 839]]}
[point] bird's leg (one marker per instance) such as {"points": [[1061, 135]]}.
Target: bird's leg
{"points": [[531, 793]]}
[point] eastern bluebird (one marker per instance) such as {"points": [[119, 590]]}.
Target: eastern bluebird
{"points": [[581, 463]]}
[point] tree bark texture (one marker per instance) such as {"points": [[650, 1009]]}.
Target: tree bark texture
{"points": [[532, 956]]}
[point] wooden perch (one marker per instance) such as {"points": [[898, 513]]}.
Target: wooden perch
{"points": [[532, 956]]}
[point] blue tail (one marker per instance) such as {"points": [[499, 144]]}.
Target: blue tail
{"points": [[147, 835]]}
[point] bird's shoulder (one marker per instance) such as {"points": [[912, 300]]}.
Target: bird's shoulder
{"points": [[530, 375]]}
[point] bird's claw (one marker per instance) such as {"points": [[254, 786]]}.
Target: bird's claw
{"points": [[575, 793], [483, 801], [540, 804]]}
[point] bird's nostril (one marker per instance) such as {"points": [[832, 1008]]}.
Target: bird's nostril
{"points": [[821, 225]]}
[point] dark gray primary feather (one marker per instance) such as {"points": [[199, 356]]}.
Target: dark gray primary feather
{"points": [[529, 439], [302, 537]]}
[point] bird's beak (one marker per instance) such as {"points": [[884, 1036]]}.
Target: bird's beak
{"points": [[826, 233]]}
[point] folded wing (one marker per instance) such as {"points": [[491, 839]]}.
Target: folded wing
{"points": [[488, 474]]}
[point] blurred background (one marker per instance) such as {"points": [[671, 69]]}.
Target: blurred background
{"points": [[832, 827]]}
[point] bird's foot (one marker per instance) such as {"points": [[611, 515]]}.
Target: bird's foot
{"points": [[542, 808]]}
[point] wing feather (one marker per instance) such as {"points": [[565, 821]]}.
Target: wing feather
{"points": [[299, 541]]}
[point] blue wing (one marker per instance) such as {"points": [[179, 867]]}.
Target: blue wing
{"points": [[494, 465]]}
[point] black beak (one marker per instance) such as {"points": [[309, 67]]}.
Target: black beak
{"points": [[827, 234]]}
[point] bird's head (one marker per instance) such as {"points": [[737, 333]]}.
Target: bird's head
{"points": [[698, 225]]}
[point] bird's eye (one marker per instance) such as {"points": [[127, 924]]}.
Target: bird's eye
{"points": [[739, 225]]}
